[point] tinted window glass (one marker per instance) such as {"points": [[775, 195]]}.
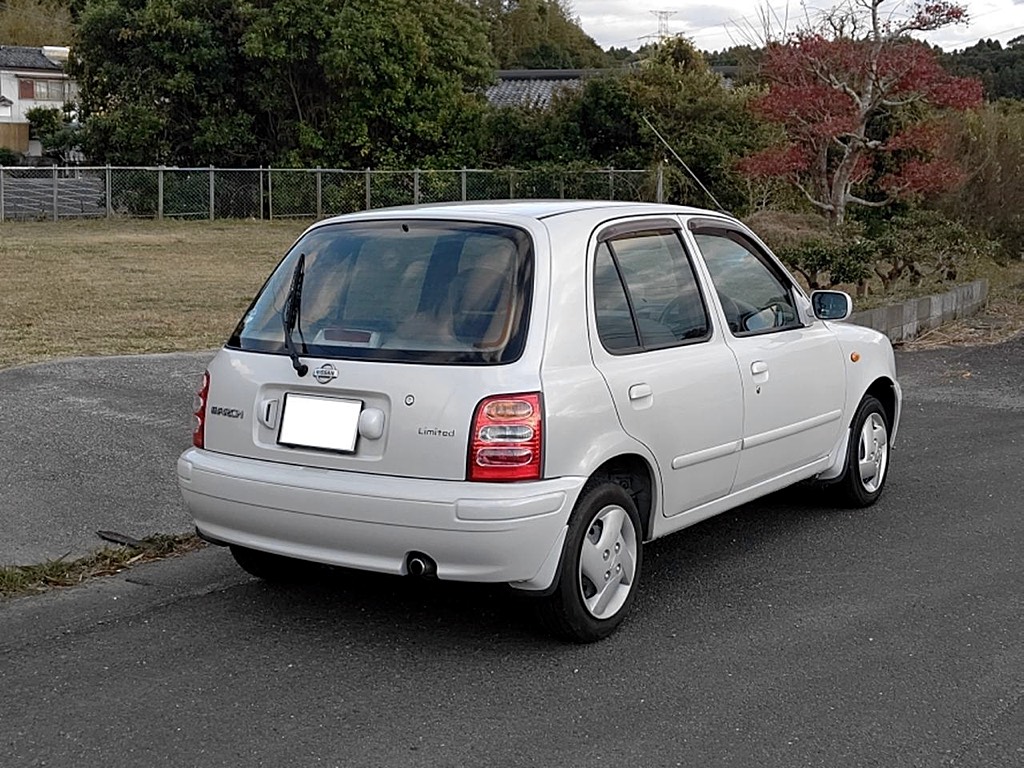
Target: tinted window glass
{"points": [[402, 291], [614, 321], [754, 298], [661, 300]]}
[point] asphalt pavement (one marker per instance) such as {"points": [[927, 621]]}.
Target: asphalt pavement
{"points": [[90, 444], [785, 633]]}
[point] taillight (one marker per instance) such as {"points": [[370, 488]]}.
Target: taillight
{"points": [[507, 438], [199, 412]]}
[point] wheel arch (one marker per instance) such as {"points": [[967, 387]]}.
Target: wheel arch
{"points": [[635, 474], [883, 389]]}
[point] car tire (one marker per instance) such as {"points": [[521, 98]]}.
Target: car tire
{"points": [[268, 566], [867, 456], [601, 566]]}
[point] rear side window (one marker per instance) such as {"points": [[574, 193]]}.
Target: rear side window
{"points": [[415, 291], [646, 294]]}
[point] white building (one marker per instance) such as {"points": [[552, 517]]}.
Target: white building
{"points": [[30, 77]]}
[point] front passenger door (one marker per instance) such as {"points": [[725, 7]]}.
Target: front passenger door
{"points": [[794, 382]]}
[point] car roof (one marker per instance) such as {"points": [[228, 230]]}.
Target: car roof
{"points": [[525, 209]]}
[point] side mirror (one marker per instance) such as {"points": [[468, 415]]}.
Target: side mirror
{"points": [[831, 305]]}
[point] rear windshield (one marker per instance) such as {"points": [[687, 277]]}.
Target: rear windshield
{"points": [[402, 291]]}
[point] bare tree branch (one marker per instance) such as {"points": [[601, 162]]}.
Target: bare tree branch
{"points": [[869, 203]]}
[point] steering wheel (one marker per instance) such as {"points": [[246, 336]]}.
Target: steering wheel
{"points": [[672, 312]]}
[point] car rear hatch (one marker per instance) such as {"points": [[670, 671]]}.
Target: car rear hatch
{"points": [[401, 328]]}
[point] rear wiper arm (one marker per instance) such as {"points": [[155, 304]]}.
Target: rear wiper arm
{"points": [[292, 303]]}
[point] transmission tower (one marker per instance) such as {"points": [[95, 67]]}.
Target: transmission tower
{"points": [[663, 32], [663, 17]]}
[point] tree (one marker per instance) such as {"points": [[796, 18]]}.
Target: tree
{"points": [[55, 130], [35, 22], [1000, 69], [305, 82], [990, 146], [853, 97], [163, 81], [367, 82], [538, 34], [706, 123]]}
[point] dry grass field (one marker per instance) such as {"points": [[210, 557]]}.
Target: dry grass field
{"points": [[125, 287]]}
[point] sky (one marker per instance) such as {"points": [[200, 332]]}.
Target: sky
{"points": [[718, 24]]}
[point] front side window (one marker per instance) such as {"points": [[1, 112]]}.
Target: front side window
{"points": [[755, 299], [646, 294], [415, 291]]}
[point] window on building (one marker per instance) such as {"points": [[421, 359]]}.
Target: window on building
{"points": [[43, 90]]}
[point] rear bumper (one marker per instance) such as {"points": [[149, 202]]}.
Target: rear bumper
{"points": [[488, 532]]}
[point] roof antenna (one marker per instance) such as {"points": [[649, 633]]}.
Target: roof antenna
{"points": [[680, 160]]}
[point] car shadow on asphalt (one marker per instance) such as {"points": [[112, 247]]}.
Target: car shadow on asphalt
{"points": [[715, 553]]}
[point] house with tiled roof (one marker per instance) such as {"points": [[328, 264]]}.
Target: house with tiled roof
{"points": [[30, 77], [537, 88]]}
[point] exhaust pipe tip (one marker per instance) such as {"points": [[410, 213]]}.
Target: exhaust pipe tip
{"points": [[420, 565]]}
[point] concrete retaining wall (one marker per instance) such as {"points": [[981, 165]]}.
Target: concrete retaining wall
{"points": [[902, 322]]}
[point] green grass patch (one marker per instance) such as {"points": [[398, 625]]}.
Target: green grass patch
{"points": [[20, 580]]}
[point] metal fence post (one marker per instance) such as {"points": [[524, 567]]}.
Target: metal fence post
{"points": [[3, 213], [660, 185], [367, 189], [212, 198], [261, 193], [319, 194], [110, 200], [55, 216], [511, 185], [463, 185], [416, 186], [160, 193], [270, 193], [561, 187], [611, 184]]}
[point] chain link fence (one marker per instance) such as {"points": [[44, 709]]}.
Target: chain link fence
{"points": [[268, 193]]}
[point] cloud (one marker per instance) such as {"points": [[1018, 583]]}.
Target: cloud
{"points": [[714, 25]]}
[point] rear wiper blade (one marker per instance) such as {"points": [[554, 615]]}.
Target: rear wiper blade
{"points": [[292, 304]]}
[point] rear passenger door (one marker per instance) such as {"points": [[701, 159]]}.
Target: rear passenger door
{"points": [[674, 382]]}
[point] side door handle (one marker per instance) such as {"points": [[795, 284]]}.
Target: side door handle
{"points": [[640, 391], [758, 367]]}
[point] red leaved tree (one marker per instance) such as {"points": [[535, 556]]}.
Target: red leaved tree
{"points": [[853, 96]]}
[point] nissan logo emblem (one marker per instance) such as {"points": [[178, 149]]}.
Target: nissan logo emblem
{"points": [[325, 373]]}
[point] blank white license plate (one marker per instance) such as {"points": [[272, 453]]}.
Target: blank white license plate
{"points": [[326, 423]]}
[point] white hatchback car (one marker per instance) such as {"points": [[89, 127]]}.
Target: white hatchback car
{"points": [[525, 393]]}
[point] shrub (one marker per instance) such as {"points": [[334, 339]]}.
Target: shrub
{"points": [[990, 145], [822, 255], [919, 248], [926, 249], [9, 157]]}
